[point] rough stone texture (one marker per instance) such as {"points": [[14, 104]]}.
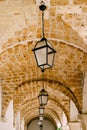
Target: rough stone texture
{"points": [[20, 78], [78, 2], [58, 2], [84, 9]]}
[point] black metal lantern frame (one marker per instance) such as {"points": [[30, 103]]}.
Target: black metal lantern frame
{"points": [[43, 50]]}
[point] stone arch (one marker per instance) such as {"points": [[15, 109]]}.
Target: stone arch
{"points": [[35, 115], [57, 30], [28, 106], [9, 57], [56, 86], [82, 121], [46, 117]]}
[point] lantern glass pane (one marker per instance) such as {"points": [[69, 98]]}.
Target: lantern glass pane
{"points": [[50, 58], [41, 56], [44, 99], [49, 50], [41, 118], [49, 44], [41, 110], [40, 44], [40, 99]]}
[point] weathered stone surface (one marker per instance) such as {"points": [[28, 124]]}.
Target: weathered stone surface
{"points": [[58, 2], [65, 23], [78, 2]]}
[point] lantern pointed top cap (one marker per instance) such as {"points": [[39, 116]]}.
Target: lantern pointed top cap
{"points": [[44, 92]]}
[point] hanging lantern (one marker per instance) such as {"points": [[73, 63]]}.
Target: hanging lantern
{"points": [[43, 50], [43, 97], [39, 122], [44, 54], [41, 110], [41, 117]]}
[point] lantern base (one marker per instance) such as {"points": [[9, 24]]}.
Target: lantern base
{"points": [[42, 70]]}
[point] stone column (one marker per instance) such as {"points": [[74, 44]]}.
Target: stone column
{"points": [[75, 125], [2, 118], [22, 124], [84, 106], [25, 127], [65, 127], [0, 100], [17, 121], [83, 119]]}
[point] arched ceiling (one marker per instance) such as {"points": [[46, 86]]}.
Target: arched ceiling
{"points": [[20, 78]]}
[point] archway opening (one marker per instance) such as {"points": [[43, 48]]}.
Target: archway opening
{"points": [[47, 125]]}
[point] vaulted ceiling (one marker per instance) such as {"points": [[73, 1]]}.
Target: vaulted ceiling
{"points": [[20, 78]]}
